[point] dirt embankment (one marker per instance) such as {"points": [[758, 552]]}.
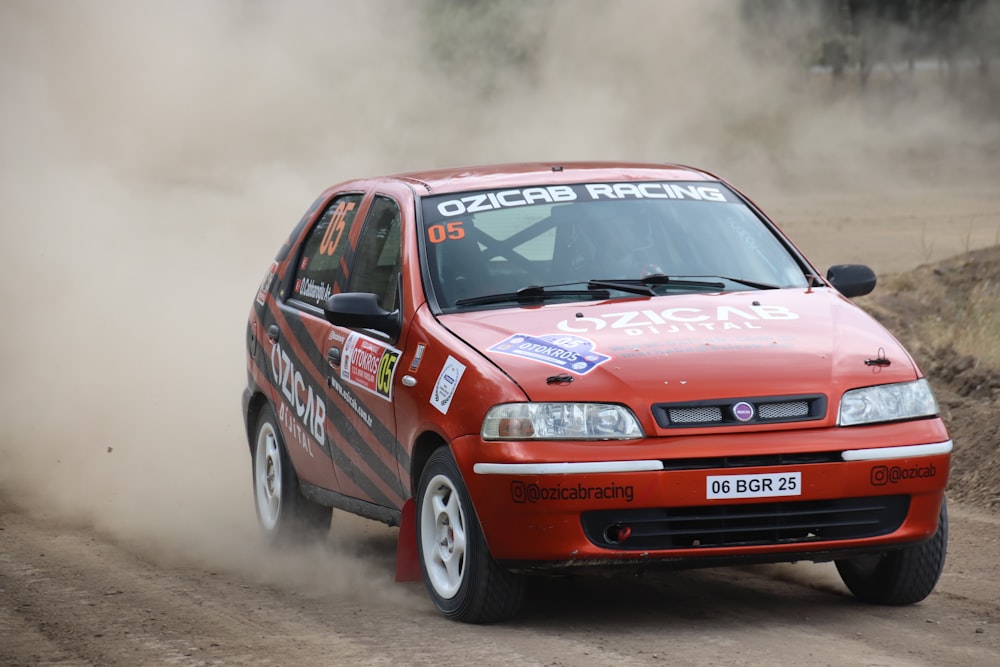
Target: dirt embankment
{"points": [[934, 309]]}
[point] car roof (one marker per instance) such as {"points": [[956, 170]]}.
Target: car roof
{"points": [[458, 179]]}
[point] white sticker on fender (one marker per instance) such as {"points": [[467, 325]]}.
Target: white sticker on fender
{"points": [[447, 383], [764, 485]]}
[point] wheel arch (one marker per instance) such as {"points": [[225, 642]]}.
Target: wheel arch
{"points": [[425, 445], [256, 403]]}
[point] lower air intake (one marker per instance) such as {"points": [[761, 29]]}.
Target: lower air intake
{"points": [[747, 524]]}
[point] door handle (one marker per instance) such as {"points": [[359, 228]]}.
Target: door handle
{"points": [[333, 356]]}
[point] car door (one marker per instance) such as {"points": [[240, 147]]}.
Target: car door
{"points": [[362, 364], [299, 338]]}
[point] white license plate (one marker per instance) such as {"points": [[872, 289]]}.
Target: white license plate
{"points": [[763, 485]]}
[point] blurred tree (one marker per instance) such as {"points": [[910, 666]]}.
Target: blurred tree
{"points": [[863, 34]]}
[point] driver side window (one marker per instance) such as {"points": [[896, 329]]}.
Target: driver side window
{"points": [[377, 259]]}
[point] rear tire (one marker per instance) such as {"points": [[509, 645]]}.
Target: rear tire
{"points": [[462, 578], [285, 516], [901, 577]]}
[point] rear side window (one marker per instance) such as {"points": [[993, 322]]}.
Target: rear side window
{"points": [[319, 266]]}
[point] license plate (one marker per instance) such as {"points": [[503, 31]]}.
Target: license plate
{"points": [[763, 485]]}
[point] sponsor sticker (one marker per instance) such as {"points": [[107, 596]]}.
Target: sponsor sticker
{"points": [[882, 475], [556, 194], [311, 289], [304, 411], [351, 401], [369, 364], [531, 492], [447, 383], [679, 320], [570, 353]]}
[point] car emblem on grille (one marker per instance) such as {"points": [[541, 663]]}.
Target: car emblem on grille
{"points": [[743, 411]]}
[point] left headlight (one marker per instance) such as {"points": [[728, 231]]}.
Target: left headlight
{"points": [[887, 402], [560, 421]]}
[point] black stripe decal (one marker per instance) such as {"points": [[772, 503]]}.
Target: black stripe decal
{"points": [[384, 435], [263, 362], [337, 416]]}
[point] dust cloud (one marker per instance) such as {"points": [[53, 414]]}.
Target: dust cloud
{"points": [[155, 154]]}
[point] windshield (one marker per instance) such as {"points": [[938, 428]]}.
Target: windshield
{"points": [[496, 242]]}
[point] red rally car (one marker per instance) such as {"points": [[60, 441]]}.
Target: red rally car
{"points": [[537, 366]]}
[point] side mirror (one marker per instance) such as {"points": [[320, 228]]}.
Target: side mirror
{"points": [[361, 310], [851, 279]]}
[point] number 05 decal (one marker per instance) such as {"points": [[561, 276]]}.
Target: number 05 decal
{"points": [[335, 228], [439, 233]]}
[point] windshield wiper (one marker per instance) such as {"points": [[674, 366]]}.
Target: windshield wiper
{"points": [[534, 293], [630, 285], [645, 284], [750, 283], [598, 289]]}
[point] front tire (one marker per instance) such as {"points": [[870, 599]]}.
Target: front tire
{"points": [[285, 516], [901, 577], [463, 580]]}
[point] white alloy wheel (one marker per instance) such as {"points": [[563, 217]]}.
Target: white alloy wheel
{"points": [[267, 476], [443, 536], [462, 578], [286, 517]]}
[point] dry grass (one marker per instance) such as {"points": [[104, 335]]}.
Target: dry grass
{"points": [[952, 304], [969, 322]]}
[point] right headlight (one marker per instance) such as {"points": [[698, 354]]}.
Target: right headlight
{"points": [[887, 402], [560, 421]]}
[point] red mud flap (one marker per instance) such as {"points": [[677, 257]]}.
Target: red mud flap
{"points": [[407, 558]]}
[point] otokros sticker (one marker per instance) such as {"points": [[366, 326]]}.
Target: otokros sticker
{"points": [[570, 353]]}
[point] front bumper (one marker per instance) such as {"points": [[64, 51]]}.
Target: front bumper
{"points": [[709, 498]]}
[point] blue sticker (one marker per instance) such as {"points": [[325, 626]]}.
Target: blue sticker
{"points": [[570, 353]]}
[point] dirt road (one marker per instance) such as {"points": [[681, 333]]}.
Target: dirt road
{"points": [[74, 597]]}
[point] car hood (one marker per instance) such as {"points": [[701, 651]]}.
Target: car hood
{"points": [[688, 347]]}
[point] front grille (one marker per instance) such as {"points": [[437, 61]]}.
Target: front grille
{"points": [[745, 525], [785, 410], [739, 411], [695, 415]]}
